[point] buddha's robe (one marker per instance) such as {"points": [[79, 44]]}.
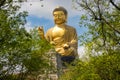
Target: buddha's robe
{"points": [[60, 36]]}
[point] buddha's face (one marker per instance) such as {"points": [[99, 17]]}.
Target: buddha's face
{"points": [[59, 17]]}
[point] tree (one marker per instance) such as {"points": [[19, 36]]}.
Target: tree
{"points": [[21, 52], [102, 41], [102, 22]]}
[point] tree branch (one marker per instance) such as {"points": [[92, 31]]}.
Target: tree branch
{"points": [[103, 33], [94, 15], [110, 26], [100, 15], [99, 10], [111, 1], [2, 2]]}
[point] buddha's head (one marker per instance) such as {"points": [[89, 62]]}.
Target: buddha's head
{"points": [[60, 15]]}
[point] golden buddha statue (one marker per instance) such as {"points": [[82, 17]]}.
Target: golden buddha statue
{"points": [[62, 36]]}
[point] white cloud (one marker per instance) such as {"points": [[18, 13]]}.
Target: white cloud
{"points": [[28, 26], [81, 51], [34, 7]]}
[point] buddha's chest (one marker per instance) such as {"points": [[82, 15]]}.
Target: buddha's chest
{"points": [[58, 32]]}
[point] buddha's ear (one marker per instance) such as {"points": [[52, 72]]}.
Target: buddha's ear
{"points": [[66, 19]]}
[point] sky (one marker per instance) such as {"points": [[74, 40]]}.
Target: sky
{"points": [[40, 14]]}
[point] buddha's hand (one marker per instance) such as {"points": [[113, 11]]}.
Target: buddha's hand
{"points": [[53, 43], [66, 46], [65, 52], [41, 31]]}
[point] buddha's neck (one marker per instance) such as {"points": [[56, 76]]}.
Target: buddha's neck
{"points": [[60, 25]]}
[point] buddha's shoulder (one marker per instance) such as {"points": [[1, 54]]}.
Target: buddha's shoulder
{"points": [[69, 27], [49, 30]]}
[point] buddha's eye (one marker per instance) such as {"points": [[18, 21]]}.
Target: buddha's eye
{"points": [[58, 15]]}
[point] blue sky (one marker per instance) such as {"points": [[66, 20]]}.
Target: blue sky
{"points": [[40, 14], [47, 23]]}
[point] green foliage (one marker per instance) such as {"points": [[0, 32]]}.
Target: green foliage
{"points": [[103, 67], [102, 23], [38, 59], [22, 53], [102, 42]]}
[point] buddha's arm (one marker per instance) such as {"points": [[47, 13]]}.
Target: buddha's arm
{"points": [[74, 40], [73, 43], [41, 32]]}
